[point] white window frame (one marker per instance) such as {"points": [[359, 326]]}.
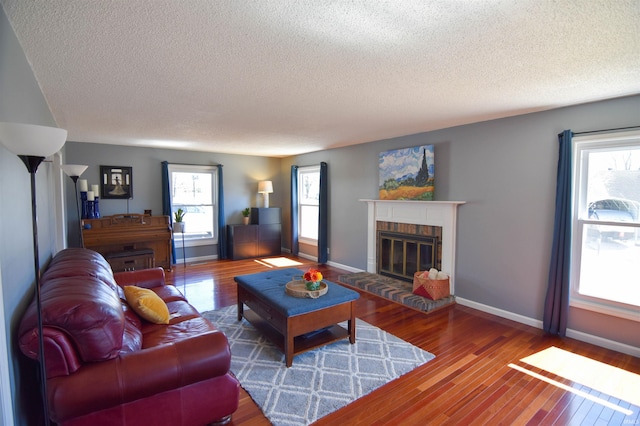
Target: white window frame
{"points": [[301, 171], [580, 218], [213, 171]]}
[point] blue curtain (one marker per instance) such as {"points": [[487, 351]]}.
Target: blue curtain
{"points": [[323, 215], [166, 202], [294, 211], [222, 228], [556, 308]]}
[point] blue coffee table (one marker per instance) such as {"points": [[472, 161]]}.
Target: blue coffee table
{"points": [[290, 322]]}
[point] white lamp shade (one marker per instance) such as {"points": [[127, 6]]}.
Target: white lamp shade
{"points": [[74, 169], [31, 139], [265, 187]]}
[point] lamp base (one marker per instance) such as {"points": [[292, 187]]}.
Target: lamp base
{"points": [[32, 162]]}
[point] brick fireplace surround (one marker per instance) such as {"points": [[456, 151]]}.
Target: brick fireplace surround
{"points": [[431, 213]]}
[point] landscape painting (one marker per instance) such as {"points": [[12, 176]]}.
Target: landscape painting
{"points": [[407, 174]]}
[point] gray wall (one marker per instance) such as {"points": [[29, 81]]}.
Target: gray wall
{"points": [[505, 170], [240, 173], [21, 101]]}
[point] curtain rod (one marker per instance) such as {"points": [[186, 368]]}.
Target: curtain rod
{"points": [[607, 130], [199, 165]]}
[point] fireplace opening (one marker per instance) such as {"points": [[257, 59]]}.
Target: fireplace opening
{"points": [[401, 255]]}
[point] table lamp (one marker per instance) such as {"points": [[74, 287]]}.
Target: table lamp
{"points": [[265, 187]]}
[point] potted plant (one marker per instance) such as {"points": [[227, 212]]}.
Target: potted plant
{"points": [[245, 215], [178, 225]]}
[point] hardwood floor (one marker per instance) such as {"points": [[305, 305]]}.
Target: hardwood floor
{"points": [[470, 380]]}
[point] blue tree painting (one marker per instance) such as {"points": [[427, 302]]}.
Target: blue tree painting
{"points": [[407, 174]]}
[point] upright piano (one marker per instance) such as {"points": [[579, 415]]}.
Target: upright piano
{"points": [[130, 241]]}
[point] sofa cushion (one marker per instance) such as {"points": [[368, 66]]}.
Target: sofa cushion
{"points": [[168, 293], [132, 339], [72, 262], [180, 312], [154, 335], [147, 304], [87, 310]]}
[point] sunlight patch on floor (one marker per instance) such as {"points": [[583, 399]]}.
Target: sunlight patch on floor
{"points": [[200, 294], [597, 375], [279, 262], [578, 392]]}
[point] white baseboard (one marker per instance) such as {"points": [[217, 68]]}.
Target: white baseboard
{"points": [[500, 313], [578, 335], [330, 263], [196, 259], [308, 257], [605, 343], [345, 267]]}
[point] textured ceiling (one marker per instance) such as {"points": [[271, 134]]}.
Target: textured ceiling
{"points": [[278, 78]]}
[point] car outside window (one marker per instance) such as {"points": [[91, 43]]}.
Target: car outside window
{"points": [[605, 275]]}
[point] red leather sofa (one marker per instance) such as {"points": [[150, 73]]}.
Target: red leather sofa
{"points": [[106, 365]]}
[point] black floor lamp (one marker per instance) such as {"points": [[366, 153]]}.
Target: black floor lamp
{"points": [[32, 144], [74, 171]]}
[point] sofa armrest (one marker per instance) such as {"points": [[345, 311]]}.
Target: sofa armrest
{"points": [[139, 374], [61, 356], [146, 278]]}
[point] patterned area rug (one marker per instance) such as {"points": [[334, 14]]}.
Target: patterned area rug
{"points": [[392, 289], [320, 381]]}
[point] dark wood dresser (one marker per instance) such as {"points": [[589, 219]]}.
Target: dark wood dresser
{"points": [[262, 238]]}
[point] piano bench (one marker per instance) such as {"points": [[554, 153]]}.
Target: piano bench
{"points": [[131, 260]]}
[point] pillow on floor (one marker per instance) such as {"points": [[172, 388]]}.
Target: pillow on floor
{"points": [[147, 304]]}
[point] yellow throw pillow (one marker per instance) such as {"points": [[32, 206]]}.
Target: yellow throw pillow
{"points": [[147, 304]]}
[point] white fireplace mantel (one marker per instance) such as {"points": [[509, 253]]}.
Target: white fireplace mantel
{"points": [[432, 213]]}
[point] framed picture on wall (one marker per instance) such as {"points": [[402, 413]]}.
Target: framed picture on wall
{"points": [[407, 174], [116, 182]]}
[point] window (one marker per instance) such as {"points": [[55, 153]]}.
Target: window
{"points": [[605, 275], [194, 190], [308, 204]]}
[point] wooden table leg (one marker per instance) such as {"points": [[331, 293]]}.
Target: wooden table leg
{"points": [[240, 306], [288, 347], [351, 324]]}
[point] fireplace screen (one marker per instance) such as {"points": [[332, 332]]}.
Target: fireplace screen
{"points": [[401, 255]]}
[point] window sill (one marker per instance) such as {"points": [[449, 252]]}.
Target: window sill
{"points": [[308, 241], [605, 307], [177, 240]]}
